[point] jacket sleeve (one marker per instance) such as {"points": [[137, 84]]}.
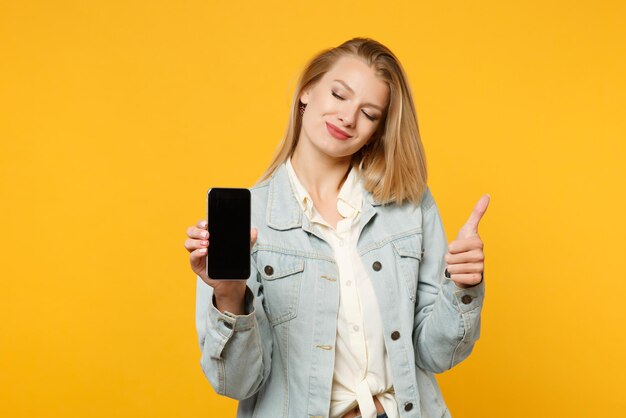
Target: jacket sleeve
{"points": [[447, 317], [236, 349]]}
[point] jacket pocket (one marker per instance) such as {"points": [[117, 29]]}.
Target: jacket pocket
{"points": [[409, 253], [281, 275]]}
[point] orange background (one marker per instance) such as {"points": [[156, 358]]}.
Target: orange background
{"points": [[117, 116]]}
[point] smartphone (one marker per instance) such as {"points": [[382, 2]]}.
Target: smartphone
{"points": [[228, 216]]}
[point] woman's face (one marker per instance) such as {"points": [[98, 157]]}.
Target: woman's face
{"points": [[344, 108]]}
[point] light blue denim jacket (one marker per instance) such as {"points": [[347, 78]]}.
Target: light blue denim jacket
{"points": [[278, 359]]}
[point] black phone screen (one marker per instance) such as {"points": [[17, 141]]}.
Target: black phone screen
{"points": [[228, 254]]}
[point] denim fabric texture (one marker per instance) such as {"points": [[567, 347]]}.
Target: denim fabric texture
{"points": [[277, 359]]}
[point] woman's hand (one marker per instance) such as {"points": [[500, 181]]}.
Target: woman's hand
{"points": [[228, 293], [465, 258]]}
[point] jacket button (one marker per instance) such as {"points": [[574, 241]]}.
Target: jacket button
{"points": [[269, 270], [408, 406], [377, 266], [466, 299], [395, 335]]}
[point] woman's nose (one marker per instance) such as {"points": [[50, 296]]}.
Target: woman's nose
{"points": [[347, 115]]}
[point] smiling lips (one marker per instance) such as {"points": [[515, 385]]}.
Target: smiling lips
{"points": [[336, 132]]}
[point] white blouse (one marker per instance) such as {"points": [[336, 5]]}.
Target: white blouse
{"points": [[361, 363]]}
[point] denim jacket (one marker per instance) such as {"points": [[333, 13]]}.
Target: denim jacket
{"points": [[278, 359]]}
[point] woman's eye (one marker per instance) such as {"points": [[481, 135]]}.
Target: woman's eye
{"points": [[369, 117], [337, 96]]}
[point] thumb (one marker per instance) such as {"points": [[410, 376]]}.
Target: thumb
{"points": [[253, 236], [471, 226]]}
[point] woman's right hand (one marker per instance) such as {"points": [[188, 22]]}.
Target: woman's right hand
{"points": [[227, 292]]}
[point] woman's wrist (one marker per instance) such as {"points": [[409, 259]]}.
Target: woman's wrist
{"points": [[233, 302]]}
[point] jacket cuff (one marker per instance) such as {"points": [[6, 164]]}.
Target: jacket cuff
{"points": [[464, 299], [231, 322], [221, 326]]}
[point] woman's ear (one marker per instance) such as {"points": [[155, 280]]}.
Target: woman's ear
{"points": [[304, 97]]}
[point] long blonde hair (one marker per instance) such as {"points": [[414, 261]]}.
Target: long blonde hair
{"points": [[392, 164]]}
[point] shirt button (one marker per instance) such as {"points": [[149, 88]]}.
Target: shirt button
{"points": [[408, 406], [269, 270], [466, 299], [356, 327], [395, 335], [377, 266]]}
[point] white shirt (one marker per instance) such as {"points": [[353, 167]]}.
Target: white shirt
{"points": [[361, 362]]}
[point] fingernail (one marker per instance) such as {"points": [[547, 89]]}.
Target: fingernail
{"points": [[202, 250]]}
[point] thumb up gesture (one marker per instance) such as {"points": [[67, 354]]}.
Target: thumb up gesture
{"points": [[465, 259]]}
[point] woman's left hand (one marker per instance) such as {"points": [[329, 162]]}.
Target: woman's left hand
{"points": [[465, 257]]}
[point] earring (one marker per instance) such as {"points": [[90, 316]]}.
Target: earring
{"points": [[302, 106]]}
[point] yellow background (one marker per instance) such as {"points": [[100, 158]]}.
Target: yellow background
{"points": [[117, 116]]}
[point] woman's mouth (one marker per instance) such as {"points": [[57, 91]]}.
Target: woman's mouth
{"points": [[336, 132]]}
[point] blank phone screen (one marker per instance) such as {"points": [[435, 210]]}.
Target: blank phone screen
{"points": [[228, 255]]}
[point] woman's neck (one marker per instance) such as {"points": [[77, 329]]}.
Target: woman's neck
{"points": [[321, 177]]}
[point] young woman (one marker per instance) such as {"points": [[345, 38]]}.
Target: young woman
{"points": [[355, 298]]}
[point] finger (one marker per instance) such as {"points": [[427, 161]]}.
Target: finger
{"points": [[254, 233], [471, 226], [202, 224], [466, 268], [465, 244], [197, 257], [469, 279], [471, 256], [478, 212], [197, 233], [194, 244]]}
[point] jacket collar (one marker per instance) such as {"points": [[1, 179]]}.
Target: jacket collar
{"points": [[283, 209]]}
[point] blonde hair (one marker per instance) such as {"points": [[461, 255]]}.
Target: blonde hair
{"points": [[392, 164]]}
